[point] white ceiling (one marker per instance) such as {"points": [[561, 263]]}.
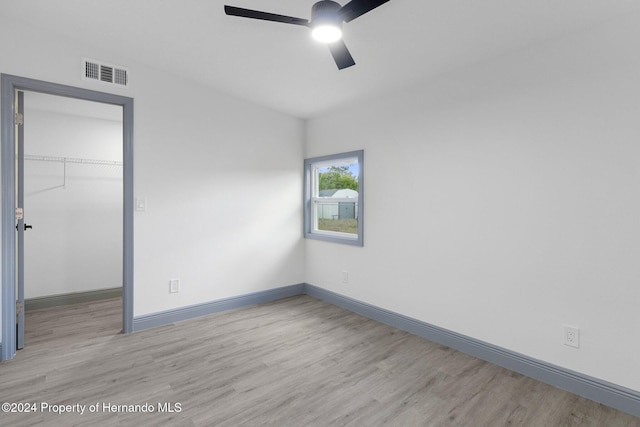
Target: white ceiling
{"points": [[280, 66]]}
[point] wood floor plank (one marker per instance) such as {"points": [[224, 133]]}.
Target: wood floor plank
{"points": [[293, 362]]}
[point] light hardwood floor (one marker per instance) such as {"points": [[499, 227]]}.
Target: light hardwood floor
{"points": [[294, 362]]}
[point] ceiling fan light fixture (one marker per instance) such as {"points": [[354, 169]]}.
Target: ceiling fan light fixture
{"points": [[326, 22], [326, 33], [327, 17]]}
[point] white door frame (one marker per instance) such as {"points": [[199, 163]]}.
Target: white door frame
{"points": [[9, 85]]}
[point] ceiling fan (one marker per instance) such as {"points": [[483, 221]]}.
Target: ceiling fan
{"points": [[326, 23]]}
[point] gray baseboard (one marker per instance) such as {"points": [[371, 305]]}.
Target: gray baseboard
{"points": [[71, 298], [184, 313], [613, 395]]}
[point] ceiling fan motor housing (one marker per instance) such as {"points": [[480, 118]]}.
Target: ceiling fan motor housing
{"points": [[326, 11]]}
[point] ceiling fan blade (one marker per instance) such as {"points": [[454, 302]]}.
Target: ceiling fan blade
{"points": [[265, 16], [355, 8], [341, 54]]}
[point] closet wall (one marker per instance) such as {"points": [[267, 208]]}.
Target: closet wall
{"points": [[75, 210]]}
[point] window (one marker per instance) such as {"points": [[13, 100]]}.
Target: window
{"points": [[333, 190]]}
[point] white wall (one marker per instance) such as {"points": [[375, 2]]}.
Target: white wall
{"points": [[76, 241], [519, 186], [222, 177]]}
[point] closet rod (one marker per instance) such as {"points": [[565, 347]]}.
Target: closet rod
{"points": [[73, 160]]}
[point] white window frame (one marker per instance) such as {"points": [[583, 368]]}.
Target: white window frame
{"points": [[311, 198]]}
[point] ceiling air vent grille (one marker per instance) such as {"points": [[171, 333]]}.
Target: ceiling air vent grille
{"points": [[120, 76], [106, 73], [91, 70]]}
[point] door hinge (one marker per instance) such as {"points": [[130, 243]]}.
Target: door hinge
{"points": [[19, 119], [19, 307]]}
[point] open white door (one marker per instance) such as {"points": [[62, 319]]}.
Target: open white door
{"points": [[20, 225]]}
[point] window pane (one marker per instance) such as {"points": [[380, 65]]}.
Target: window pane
{"points": [[337, 177], [338, 180], [337, 216]]}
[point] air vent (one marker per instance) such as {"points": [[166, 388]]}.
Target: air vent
{"points": [[106, 73]]}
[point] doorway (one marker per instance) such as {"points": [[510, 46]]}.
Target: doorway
{"points": [[11, 306], [72, 201]]}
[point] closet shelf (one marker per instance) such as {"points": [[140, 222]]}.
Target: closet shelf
{"points": [[73, 160]]}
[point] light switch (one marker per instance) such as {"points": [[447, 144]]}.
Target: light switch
{"points": [[141, 204]]}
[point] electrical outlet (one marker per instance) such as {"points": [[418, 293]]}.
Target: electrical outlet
{"points": [[571, 336], [174, 286], [345, 277]]}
